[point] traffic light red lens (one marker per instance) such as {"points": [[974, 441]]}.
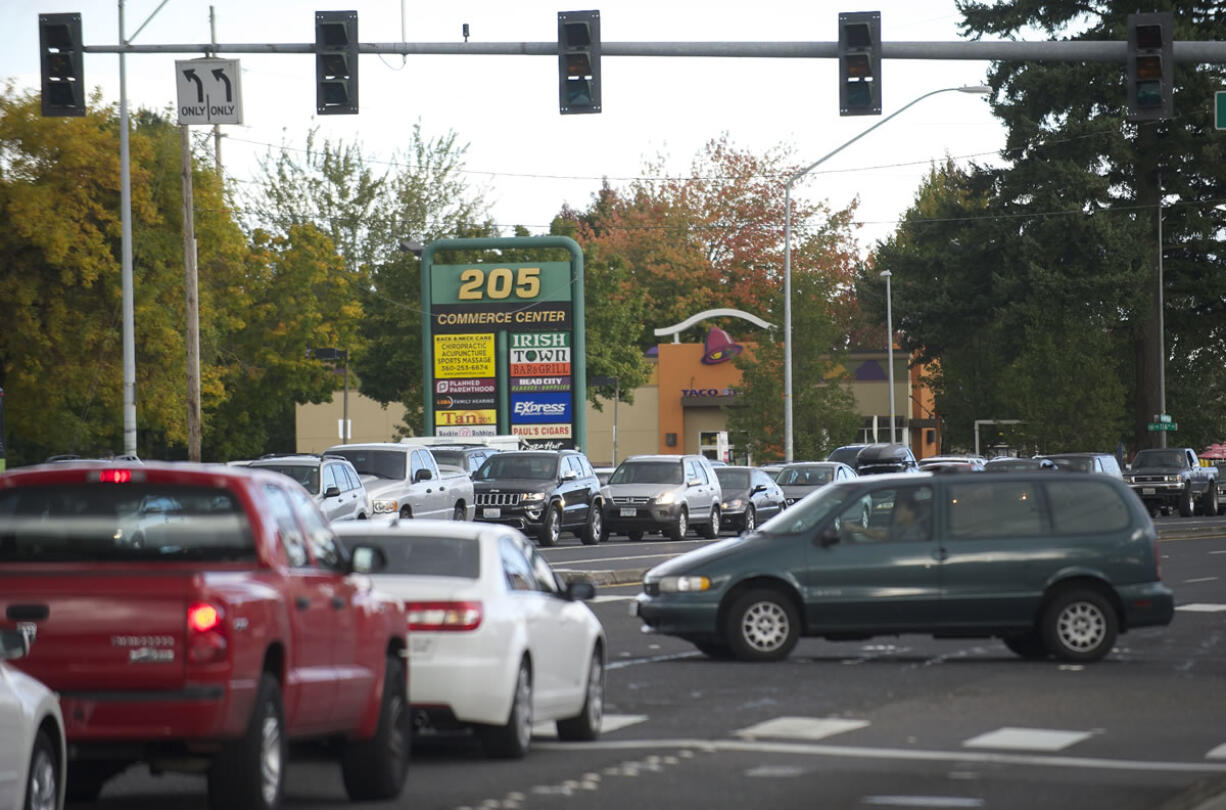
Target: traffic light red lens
{"points": [[1149, 36], [858, 35], [578, 64], [858, 66]]}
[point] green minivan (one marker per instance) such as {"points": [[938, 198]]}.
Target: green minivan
{"points": [[1052, 565]]}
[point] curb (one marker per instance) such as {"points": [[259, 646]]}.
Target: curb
{"points": [[1208, 794], [626, 576]]}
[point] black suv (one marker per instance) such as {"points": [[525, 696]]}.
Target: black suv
{"points": [[542, 493]]}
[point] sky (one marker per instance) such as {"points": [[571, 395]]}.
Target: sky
{"points": [[527, 158]]}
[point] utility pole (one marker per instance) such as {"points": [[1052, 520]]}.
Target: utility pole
{"points": [[193, 301]]}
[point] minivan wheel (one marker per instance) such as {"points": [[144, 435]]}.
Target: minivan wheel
{"points": [[1079, 625], [762, 625], [681, 524]]}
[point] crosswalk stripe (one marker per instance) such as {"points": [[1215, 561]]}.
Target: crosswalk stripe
{"points": [[1027, 739], [801, 728], [1217, 753]]}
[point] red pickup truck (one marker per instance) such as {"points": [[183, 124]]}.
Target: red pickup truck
{"points": [[197, 618]]}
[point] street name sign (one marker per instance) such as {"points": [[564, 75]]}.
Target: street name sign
{"points": [[209, 91]]}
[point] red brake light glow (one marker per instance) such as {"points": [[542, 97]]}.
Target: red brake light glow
{"points": [[444, 616], [115, 476], [203, 617]]}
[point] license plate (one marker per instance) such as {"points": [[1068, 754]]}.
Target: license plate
{"points": [[491, 512], [420, 645], [629, 511], [1147, 490]]}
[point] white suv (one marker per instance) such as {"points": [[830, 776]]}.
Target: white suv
{"points": [[331, 480], [663, 493]]}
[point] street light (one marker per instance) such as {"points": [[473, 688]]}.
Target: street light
{"points": [[338, 354], [977, 89], [889, 343]]}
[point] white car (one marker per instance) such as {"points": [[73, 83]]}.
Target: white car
{"points": [[496, 641], [32, 752]]}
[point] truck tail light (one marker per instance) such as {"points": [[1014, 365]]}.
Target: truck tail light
{"points": [[456, 617], [206, 641]]}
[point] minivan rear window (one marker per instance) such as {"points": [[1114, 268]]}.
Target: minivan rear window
{"points": [[1086, 507], [126, 522]]}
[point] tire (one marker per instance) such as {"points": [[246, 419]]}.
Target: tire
{"points": [[680, 525], [249, 773], [459, 513], [1029, 646], [585, 725], [86, 778], [1211, 507], [714, 649], [375, 769], [1079, 625], [551, 529], [750, 522], [406, 513], [1187, 503], [512, 739], [635, 535], [43, 779], [762, 625], [711, 530], [594, 532]]}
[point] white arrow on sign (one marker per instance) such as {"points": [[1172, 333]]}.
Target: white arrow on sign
{"points": [[209, 91]]}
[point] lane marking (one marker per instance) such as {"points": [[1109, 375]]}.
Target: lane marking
{"points": [[1027, 739], [858, 752], [1200, 579], [608, 724], [801, 728], [1202, 607], [922, 801], [1217, 753], [776, 771]]}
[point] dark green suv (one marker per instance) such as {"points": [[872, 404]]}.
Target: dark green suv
{"points": [[1053, 565]]}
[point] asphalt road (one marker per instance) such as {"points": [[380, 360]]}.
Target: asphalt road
{"points": [[889, 722]]}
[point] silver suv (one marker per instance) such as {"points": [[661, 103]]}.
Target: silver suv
{"points": [[667, 494], [331, 480]]}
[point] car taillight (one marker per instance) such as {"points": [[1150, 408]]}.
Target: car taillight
{"points": [[206, 643], [114, 476], [444, 616]]}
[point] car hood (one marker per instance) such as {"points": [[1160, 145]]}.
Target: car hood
{"points": [[514, 485], [692, 561], [376, 486], [1156, 470], [640, 490]]}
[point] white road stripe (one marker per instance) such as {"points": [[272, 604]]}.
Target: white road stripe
{"points": [[1200, 579], [1027, 739], [1200, 607], [801, 728], [1217, 753], [608, 723], [922, 801]]}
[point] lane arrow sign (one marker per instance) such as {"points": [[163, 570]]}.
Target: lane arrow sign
{"points": [[220, 75], [191, 76]]}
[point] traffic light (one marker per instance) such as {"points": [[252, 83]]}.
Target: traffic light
{"points": [[1150, 66], [336, 62], [860, 63], [578, 62], [60, 47]]}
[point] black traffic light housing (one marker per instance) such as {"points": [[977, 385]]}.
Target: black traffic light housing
{"points": [[1151, 66], [860, 63], [60, 49], [336, 62], [578, 62]]}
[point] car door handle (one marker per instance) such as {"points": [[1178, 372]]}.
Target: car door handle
{"points": [[302, 603], [940, 554], [338, 602]]}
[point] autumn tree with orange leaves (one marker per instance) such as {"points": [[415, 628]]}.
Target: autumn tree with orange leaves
{"points": [[664, 248]]}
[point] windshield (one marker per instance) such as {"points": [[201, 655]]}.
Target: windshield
{"points": [[450, 458], [732, 479], [423, 556], [804, 476], [647, 472], [540, 467], [308, 476], [807, 514], [1074, 464], [1158, 458], [379, 463], [108, 522]]}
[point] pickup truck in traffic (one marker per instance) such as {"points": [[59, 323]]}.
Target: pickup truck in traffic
{"points": [[206, 640], [404, 480], [1172, 478]]}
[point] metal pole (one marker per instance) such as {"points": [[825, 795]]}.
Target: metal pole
{"points": [[787, 258], [617, 392], [1161, 323], [193, 300], [889, 343], [345, 402], [125, 216], [216, 127]]}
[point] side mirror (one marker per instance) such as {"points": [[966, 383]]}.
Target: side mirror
{"points": [[569, 475], [580, 590], [422, 475], [367, 560], [757, 489], [332, 492], [829, 536], [694, 482], [14, 644]]}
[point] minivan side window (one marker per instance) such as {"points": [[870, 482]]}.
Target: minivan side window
{"points": [[987, 509], [1086, 507]]}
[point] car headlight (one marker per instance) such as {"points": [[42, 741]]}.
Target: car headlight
{"points": [[385, 506], [666, 498], [683, 584], [735, 503], [532, 497]]}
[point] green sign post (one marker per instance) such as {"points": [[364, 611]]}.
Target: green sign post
{"points": [[503, 344], [1219, 109]]}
